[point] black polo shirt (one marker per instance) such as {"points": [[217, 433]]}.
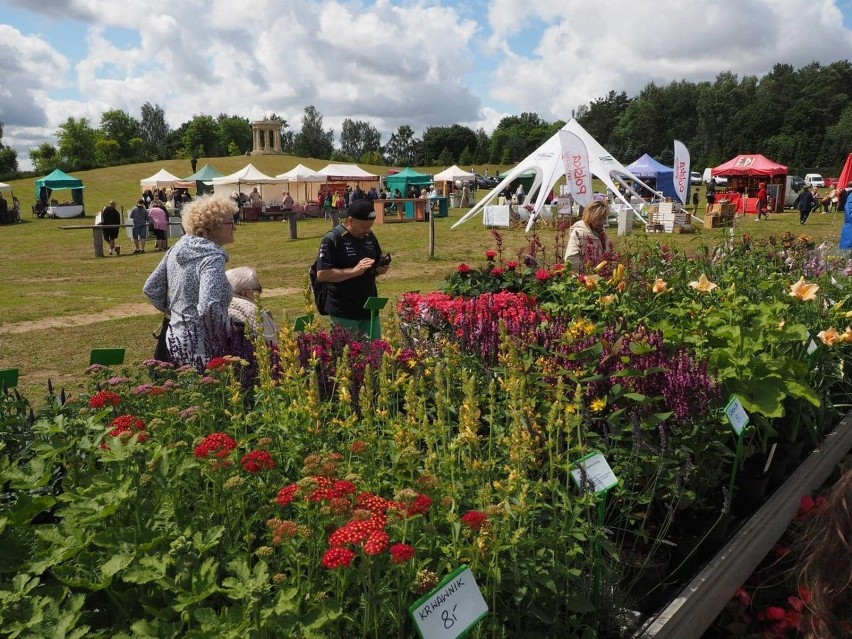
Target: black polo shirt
{"points": [[346, 299]]}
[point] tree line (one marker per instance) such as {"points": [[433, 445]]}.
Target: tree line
{"points": [[798, 117]]}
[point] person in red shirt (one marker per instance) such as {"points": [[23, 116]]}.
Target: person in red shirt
{"points": [[761, 202]]}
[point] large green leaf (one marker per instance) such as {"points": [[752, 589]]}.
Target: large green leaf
{"points": [[27, 507]]}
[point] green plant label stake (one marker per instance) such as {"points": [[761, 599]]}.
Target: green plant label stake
{"points": [[739, 419], [106, 356], [374, 305], [302, 322], [452, 609], [593, 473], [9, 378]]}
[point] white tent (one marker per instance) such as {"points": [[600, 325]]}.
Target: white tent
{"points": [[546, 162], [249, 175], [160, 179], [308, 178], [347, 173], [5, 187], [452, 174]]}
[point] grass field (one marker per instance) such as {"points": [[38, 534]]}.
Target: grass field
{"points": [[57, 301]]}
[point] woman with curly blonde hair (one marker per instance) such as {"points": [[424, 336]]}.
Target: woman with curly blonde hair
{"points": [[587, 240], [190, 284]]}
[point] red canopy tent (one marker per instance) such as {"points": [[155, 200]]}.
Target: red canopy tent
{"points": [[745, 173], [846, 174]]}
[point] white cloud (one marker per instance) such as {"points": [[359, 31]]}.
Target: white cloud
{"points": [[386, 61]]}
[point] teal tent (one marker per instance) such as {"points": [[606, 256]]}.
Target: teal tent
{"points": [[57, 181], [405, 179], [526, 178], [202, 180]]}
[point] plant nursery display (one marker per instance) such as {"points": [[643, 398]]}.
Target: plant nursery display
{"points": [[561, 436]]}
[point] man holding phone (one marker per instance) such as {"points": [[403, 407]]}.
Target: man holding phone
{"points": [[350, 258]]}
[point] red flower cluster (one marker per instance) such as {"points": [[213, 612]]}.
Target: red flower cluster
{"points": [[542, 275], [287, 494], [474, 519], [104, 398], [124, 427], [218, 363], [400, 553], [420, 506], [328, 489], [463, 268], [356, 531], [256, 461], [337, 557], [218, 445], [490, 255]]}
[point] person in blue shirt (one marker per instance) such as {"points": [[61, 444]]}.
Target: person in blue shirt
{"points": [[846, 233]]}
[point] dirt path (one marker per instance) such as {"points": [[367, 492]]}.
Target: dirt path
{"points": [[116, 312]]}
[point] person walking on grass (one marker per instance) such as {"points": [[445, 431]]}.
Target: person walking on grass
{"points": [[139, 218], [111, 217], [761, 202], [804, 203]]}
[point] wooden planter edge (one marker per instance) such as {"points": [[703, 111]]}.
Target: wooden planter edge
{"points": [[693, 610]]}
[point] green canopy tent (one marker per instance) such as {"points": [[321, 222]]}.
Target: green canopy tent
{"points": [[57, 181], [406, 178], [201, 180], [526, 178]]}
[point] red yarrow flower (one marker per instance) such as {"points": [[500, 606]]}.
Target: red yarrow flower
{"points": [[287, 494], [463, 268], [400, 553], [377, 543], [512, 265], [338, 557], [497, 271], [542, 275], [474, 519], [218, 363], [490, 255], [125, 427], [420, 506], [216, 444], [256, 461], [104, 398]]}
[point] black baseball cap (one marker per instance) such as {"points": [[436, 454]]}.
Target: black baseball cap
{"points": [[361, 210]]}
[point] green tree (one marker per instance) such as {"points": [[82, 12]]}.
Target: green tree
{"points": [[121, 128], [8, 157], [45, 158], [445, 158], [516, 136], [107, 152], [466, 158], [312, 141], [358, 138], [400, 149], [483, 144], [601, 116], [201, 137], [77, 140], [452, 138], [233, 130], [155, 132]]}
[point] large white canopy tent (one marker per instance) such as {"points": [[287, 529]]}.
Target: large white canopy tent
{"points": [[304, 183], [269, 187], [546, 161], [347, 173], [160, 179], [452, 175]]}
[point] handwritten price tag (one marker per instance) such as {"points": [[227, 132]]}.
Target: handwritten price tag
{"points": [[736, 415], [450, 610]]}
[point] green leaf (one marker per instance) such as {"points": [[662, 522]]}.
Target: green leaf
{"points": [[27, 507]]}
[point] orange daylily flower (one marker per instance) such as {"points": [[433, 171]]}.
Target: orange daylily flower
{"points": [[703, 285], [591, 282], [803, 290], [618, 274], [660, 286], [608, 299], [830, 337]]}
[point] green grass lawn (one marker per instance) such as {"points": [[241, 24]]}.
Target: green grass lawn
{"points": [[51, 278]]}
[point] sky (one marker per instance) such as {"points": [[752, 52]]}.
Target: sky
{"points": [[389, 62]]}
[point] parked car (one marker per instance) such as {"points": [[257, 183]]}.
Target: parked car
{"points": [[695, 178], [720, 181], [483, 182], [815, 179]]}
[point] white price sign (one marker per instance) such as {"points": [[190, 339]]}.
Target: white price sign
{"points": [[736, 415], [596, 471], [451, 609]]}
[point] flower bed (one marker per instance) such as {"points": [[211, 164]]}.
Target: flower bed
{"points": [[347, 479]]}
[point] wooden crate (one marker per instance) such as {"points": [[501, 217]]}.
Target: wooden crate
{"points": [[712, 221]]}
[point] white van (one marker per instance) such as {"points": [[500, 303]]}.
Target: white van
{"points": [[708, 173], [815, 179]]}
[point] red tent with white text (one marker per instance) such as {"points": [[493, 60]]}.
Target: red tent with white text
{"points": [[745, 174]]}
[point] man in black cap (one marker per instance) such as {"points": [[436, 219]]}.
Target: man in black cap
{"points": [[348, 262], [804, 203]]}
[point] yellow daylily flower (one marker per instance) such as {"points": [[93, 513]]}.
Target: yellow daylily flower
{"points": [[803, 290], [600, 266], [847, 335], [618, 274], [830, 337], [660, 286], [703, 285]]}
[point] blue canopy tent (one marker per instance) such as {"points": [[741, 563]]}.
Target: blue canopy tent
{"points": [[647, 168]]}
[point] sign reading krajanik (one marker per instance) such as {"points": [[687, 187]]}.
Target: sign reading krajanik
{"points": [[450, 610]]}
